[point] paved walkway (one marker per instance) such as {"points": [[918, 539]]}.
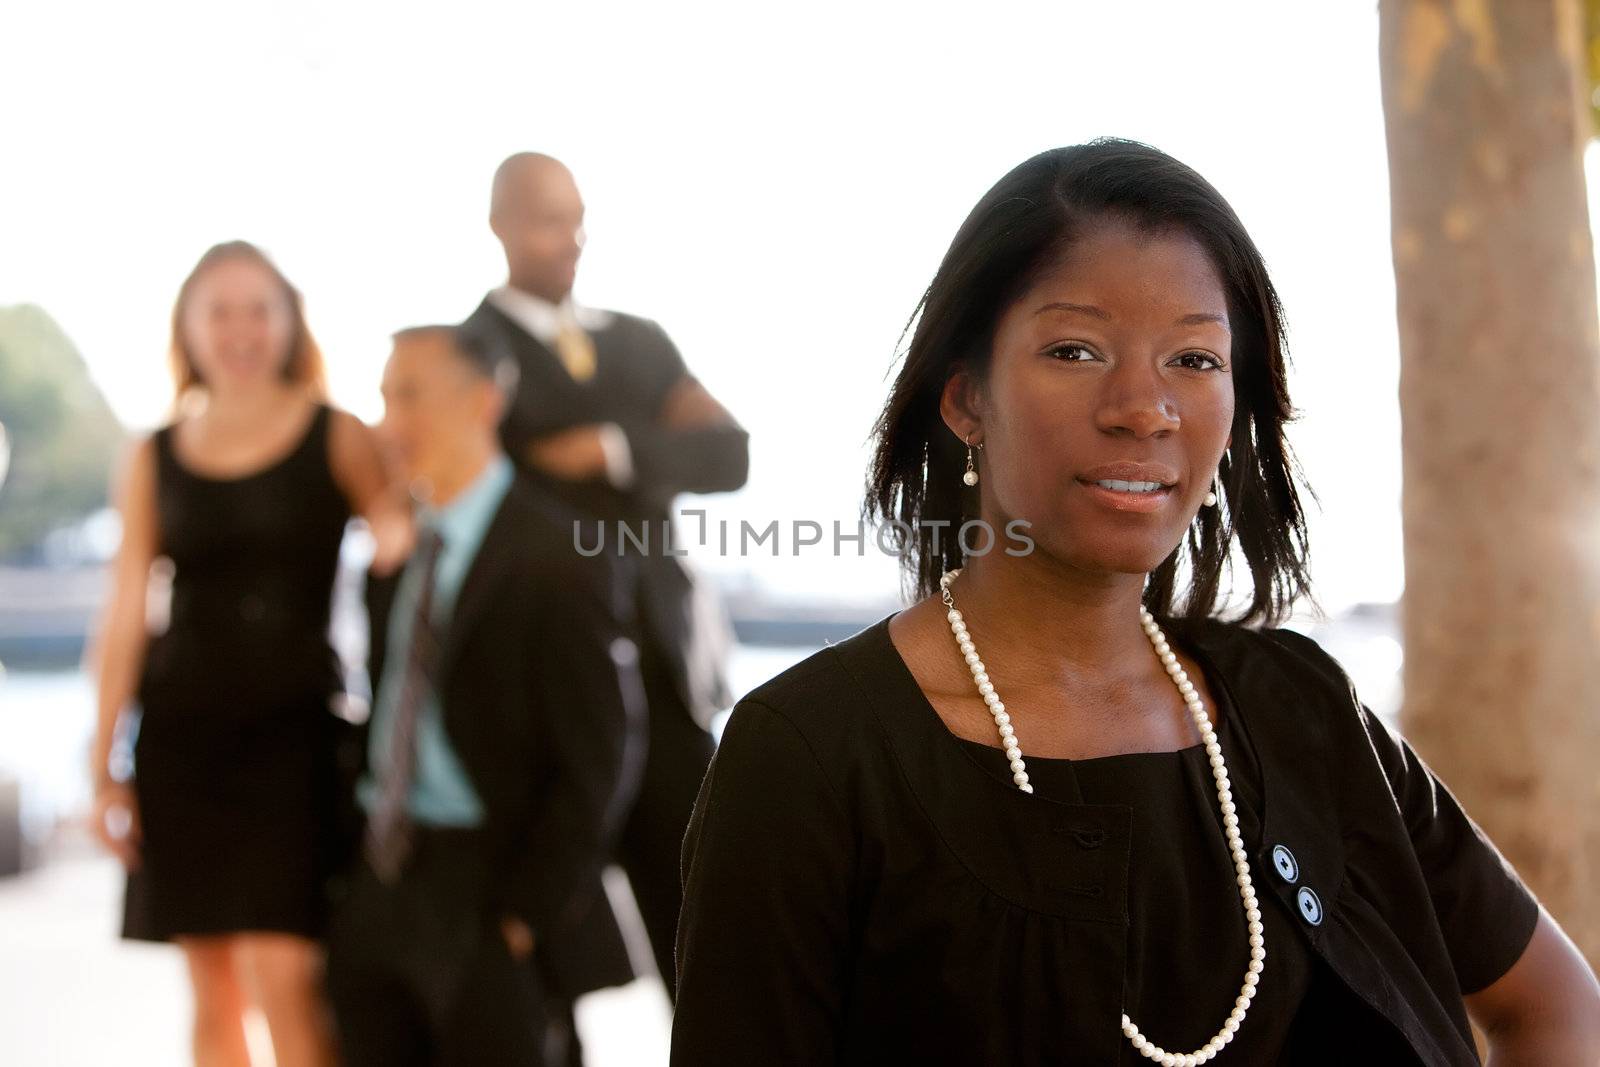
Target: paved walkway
{"points": [[73, 995]]}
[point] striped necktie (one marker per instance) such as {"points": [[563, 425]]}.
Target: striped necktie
{"points": [[388, 839]]}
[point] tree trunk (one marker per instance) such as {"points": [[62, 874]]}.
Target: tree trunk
{"points": [[1487, 118]]}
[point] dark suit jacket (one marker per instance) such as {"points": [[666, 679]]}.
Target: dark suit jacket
{"points": [[543, 705], [637, 365]]}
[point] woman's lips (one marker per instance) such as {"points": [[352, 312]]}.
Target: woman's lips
{"points": [[1139, 501]]}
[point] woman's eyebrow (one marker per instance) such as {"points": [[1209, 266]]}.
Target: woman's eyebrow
{"points": [[1200, 318], [1082, 309], [1194, 318]]}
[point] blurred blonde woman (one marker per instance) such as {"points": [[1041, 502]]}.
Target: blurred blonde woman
{"points": [[227, 825]]}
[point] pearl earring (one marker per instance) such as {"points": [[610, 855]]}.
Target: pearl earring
{"points": [[971, 477], [1215, 494]]}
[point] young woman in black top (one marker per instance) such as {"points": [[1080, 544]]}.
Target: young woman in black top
{"points": [[1024, 821], [228, 825]]}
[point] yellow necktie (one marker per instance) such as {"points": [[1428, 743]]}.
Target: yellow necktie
{"points": [[575, 349]]}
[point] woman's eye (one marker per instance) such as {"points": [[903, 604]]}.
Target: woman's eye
{"points": [[1072, 353], [1199, 361]]}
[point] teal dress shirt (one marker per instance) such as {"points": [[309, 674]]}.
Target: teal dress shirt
{"points": [[441, 791]]}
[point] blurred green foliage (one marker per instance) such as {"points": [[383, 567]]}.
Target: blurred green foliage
{"points": [[64, 436]]}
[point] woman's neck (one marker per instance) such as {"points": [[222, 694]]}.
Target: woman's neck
{"points": [[249, 404], [1074, 624]]}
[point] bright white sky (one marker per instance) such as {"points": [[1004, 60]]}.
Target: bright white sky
{"points": [[775, 186]]}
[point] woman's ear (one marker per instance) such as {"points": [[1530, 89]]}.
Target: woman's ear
{"points": [[960, 405]]}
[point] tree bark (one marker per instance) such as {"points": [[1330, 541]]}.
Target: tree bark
{"points": [[1487, 116]]}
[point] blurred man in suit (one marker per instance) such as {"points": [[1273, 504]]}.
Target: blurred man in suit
{"points": [[608, 415], [502, 752]]}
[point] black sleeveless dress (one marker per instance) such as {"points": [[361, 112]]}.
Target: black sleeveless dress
{"points": [[235, 761]]}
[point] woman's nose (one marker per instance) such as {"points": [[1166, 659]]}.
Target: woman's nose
{"points": [[1136, 403]]}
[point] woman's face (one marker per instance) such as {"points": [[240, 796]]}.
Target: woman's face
{"points": [[237, 325], [1108, 402]]}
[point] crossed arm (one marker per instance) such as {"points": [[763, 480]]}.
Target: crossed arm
{"points": [[693, 445]]}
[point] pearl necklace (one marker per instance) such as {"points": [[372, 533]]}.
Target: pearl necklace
{"points": [[1230, 818]]}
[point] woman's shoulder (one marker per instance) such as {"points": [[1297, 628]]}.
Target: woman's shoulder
{"points": [[831, 690], [1297, 699], [348, 434], [146, 446], [1282, 648], [1278, 677], [816, 722], [350, 448]]}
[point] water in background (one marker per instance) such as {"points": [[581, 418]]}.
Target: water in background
{"points": [[47, 725]]}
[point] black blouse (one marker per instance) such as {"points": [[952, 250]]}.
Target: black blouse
{"points": [[864, 887]]}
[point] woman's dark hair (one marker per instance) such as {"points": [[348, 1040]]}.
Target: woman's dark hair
{"points": [[1017, 230]]}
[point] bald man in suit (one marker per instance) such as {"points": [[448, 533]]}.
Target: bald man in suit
{"points": [[607, 415]]}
